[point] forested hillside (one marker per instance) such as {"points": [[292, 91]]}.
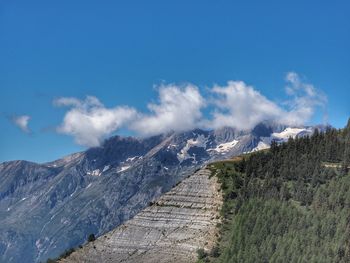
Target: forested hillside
{"points": [[288, 204]]}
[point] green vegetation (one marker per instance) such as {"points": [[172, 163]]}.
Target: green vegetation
{"points": [[201, 254], [287, 204], [91, 238], [66, 253]]}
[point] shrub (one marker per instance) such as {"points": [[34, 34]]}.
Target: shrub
{"points": [[215, 252], [66, 253], [91, 238], [201, 253]]}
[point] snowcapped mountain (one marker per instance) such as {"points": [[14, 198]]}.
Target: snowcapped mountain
{"points": [[47, 208]]}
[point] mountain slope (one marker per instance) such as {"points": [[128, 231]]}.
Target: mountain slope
{"points": [[171, 230], [48, 208]]}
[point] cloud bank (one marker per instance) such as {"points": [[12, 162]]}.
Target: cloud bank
{"points": [[305, 100], [241, 106], [180, 108], [89, 121], [22, 122]]}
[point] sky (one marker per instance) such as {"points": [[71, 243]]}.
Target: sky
{"points": [[73, 73]]}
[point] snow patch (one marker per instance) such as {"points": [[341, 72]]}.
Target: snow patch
{"points": [[200, 141], [94, 172], [130, 159], [280, 137], [106, 168], [224, 147], [123, 168], [261, 146], [64, 221], [289, 133]]}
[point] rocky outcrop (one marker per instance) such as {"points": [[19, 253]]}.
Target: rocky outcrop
{"points": [[170, 230]]}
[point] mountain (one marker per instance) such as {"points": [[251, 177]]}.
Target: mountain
{"points": [[47, 208]]}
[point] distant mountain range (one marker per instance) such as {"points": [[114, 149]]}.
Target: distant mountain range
{"points": [[47, 208]]}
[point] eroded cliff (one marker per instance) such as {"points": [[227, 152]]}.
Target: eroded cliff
{"points": [[170, 230]]}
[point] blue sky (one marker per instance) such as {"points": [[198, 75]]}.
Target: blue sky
{"points": [[121, 52]]}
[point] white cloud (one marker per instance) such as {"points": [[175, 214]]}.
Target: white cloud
{"points": [[89, 121], [241, 106], [22, 122], [305, 100], [69, 101], [179, 109]]}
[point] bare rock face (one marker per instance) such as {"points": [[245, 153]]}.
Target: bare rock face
{"points": [[170, 230]]}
